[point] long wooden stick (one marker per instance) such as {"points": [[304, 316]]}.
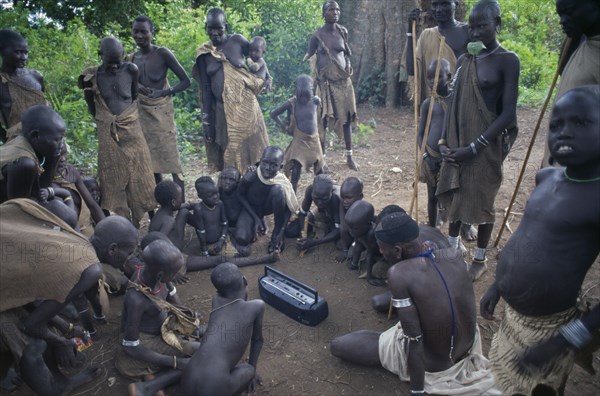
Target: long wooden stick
{"points": [[417, 103], [415, 196], [535, 131]]}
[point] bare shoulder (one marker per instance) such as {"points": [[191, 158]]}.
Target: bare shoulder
{"points": [[508, 56], [258, 306], [342, 29], [546, 174], [238, 38], [130, 67]]}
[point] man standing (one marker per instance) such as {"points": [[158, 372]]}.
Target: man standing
{"points": [[333, 83], [234, 129], [583, 67], [456, 34]]}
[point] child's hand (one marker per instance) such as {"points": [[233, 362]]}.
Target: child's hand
{"points": [[304, 244]]}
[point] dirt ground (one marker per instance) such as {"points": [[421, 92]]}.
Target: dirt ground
{"points": [[295, 358]]}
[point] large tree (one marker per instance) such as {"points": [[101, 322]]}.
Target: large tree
{"points": [[377, 31]]}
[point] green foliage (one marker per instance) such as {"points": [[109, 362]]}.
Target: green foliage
{"points": [[63, 39], [372, 88], [531, 29]]}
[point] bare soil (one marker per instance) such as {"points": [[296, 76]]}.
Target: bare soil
{"points": [[295, 359]]}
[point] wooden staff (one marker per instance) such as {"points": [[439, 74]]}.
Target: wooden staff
{"points": [[416, 83], [305, 233], [427, 127], [535, 131]]}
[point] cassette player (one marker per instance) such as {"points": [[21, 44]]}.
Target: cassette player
{"points": [[292, 298]]}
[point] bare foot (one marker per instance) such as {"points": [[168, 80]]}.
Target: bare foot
{"points": [[81, 378], [377, 281], [11, 381], [351, 164], [468, 232], [273, 257], [477, 269]]}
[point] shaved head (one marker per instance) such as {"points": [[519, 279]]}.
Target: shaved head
{"points": [[226, 277], [111, 46], [113, 229], [360, 212], [162, 255]]}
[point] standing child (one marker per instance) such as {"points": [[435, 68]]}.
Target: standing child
{"points": [[256, 63], [211, 224], [432, 159], [170, 197], [305, 149], [543, 265]]}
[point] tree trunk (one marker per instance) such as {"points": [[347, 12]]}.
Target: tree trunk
{"points": [[377, 35]]}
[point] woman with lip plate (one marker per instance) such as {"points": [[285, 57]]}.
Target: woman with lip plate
{"points": [[480, 126]]}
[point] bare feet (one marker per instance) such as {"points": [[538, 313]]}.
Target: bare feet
{"points": [[477, 269], [351, 164], [81, 378], [468, 232], [11, 381], [377, 281]]}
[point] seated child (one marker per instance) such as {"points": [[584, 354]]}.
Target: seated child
{"points": [[256, 63], [210, 218], [305, 148], [350, 192], [170, 197], [361, 226], [94, 188], [228, 192], [326, 217], [432, 158], [215, 369], [148, 348]]}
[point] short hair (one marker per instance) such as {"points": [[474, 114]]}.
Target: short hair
{"points": [[444, 64], [356, 181], [203, 180], [214, 12], [273, 149], [590, 91], [360, 209], [158, 255], [151, 237], [37, 116], [260, 41], [8, 37], [491, 8], [326, 4], [225, 277], [165, 192], [230, 169], [323, 179], [112, 229], [147, 19]]}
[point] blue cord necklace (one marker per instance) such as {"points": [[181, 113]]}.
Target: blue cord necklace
{"points": [[429, 254]]}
